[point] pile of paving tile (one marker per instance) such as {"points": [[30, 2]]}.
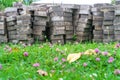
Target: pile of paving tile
{"points": [[75, 18], [57, 25], [84, 28], [70, 28], [3, 32], [23, 29], [39, 19], [98, 17], [19, 7], [60, 23], [117, 2], [18, 26], [68, 24], [117, 23], [108, 27], [11, 14], [97, 23]]}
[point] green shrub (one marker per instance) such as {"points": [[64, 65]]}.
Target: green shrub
{"points": [[7, 3], [1, 6], [27, 2]]}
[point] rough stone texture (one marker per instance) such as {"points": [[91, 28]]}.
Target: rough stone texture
{"points": [[98, 17], [3, 32], [84, 24], [117, 23], [108, 34], [60, 23]]}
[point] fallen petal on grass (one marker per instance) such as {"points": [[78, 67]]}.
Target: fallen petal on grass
{"points": [[42, 73], [57, 49], [73, 57], [90, 52]]}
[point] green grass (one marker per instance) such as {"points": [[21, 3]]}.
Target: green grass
{"points": [[15, 66]]}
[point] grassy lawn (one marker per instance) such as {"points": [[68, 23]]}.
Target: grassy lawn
{"points": [[20, 62]]}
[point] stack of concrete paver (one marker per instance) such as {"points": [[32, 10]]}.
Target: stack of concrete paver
{"points": [[57, 25], [19, 7], [11, 14], [40, 19], [97, 23], [98, 18], [3, 32], [23, 29], [84, 28], [117, 2], [75, 18], [70, 28], [11, 11], [68, 24], [108, 27], [117, 23]]}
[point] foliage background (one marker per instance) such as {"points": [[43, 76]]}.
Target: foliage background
{"points": [[8, 3], [113, 1]]}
